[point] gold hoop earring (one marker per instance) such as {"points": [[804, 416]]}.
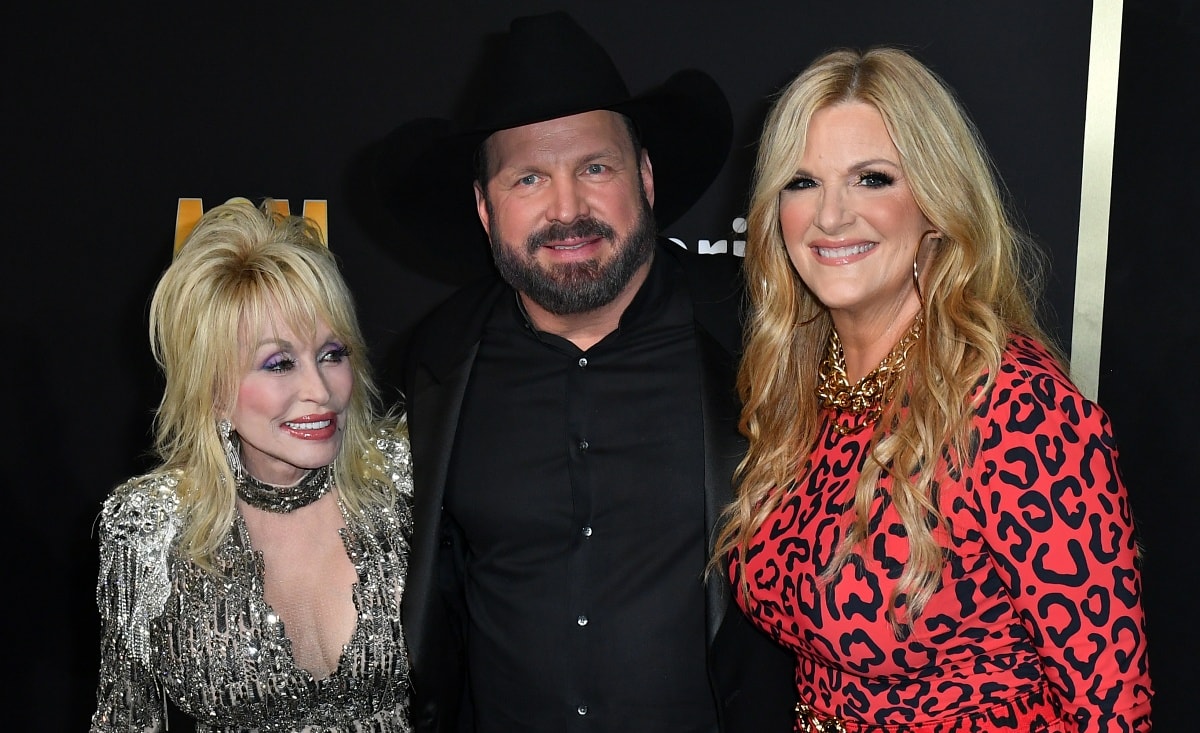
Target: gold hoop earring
{"points": [[935, 239], [917, 283]]}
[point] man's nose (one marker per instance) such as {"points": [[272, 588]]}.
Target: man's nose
{"points": [[569, 201]]}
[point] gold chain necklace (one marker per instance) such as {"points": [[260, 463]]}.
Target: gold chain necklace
{"points": [[866, 399], [813, 722]]}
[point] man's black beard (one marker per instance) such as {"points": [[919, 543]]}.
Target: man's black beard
{"points": [[576, 287]]}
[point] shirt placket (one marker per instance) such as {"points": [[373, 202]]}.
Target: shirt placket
{"points": [[578, 614]]}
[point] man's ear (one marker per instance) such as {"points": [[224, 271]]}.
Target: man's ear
{"points": [[647, 172], [482, 209]]}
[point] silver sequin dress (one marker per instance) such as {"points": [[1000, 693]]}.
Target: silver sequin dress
{"points": [[214, 647]]}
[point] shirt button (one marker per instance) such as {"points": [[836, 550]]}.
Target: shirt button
{"points": [[587, 531], [582, 620], [583, 445], [582, 709], [582, 361]]}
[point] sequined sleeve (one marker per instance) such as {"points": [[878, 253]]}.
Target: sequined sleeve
{"points": [[138, 523], [397, 459]]}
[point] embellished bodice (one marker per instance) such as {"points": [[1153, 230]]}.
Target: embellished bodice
{"points": [[212, 645]]}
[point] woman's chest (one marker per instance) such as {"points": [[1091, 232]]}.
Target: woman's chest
{"points": [[850, 616]]}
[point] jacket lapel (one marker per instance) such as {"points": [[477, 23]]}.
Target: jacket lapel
{"points": [[435, 385], [435, 407], [723, 450]]}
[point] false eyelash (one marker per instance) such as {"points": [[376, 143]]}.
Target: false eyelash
{"points": [[278, 363], [879, 178], [341, 353], [799, 183]]}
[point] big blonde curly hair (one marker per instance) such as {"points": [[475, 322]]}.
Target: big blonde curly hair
{"points": [[978, 288], [240, 268]]}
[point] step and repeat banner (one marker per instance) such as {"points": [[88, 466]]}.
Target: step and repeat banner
{"points": [[126, 123]]}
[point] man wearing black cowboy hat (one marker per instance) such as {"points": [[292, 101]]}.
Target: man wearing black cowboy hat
{"points": [[574, 422]]}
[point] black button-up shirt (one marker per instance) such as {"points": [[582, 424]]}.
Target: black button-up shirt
{"points": [[577, 481]]}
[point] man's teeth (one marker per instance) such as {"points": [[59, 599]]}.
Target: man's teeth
{"points": [[569, 246], [309, 425], [845, 251]]}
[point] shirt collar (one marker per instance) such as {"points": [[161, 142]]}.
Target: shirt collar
{"points": [[662, 281]]}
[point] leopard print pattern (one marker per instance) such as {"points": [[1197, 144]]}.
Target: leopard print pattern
{"points": [[1037, 622]]}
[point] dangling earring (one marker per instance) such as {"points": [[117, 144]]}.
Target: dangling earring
{"points": [[935, 239], [917, 284], [230, 445]]}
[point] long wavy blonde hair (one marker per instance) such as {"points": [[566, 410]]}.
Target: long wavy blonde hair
{"points": [[240, 268], [978, 288]]}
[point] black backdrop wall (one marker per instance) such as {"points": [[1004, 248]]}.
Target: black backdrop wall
{"points": [[115, 114]]}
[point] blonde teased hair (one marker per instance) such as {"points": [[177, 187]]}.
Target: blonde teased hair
{"points": [[240, 268], [979, 287]]}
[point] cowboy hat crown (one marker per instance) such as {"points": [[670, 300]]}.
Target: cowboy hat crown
{"points": [[546, 67]]}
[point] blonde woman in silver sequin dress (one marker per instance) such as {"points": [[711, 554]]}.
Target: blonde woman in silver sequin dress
{"points": [[254, 579]]}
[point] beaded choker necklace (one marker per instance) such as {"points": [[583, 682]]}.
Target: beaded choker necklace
{"points": [[284, 499], [866, 399]]}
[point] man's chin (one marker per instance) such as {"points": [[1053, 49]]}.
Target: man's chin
{"points": [[583, 285], [578, 273]]}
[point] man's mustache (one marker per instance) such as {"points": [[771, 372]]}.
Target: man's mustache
{"points": [[557, 232]]}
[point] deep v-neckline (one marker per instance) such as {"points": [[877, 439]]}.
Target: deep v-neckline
{"points": [[275, 620]]}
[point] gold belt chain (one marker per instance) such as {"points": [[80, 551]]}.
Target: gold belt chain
{"points": [[813, 722]]}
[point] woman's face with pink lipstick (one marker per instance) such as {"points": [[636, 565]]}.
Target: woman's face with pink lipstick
{"points": [[291, 402], [849, 220]]}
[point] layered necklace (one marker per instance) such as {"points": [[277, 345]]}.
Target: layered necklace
{"points": [[284, 499], [864, 401]]}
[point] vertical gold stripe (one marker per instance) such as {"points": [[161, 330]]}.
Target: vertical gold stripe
{"points": [[1099, 131], [318, 211], [187, 213], [283, 207]]}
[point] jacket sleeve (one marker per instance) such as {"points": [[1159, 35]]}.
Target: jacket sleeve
{"points": [[138, 523]]}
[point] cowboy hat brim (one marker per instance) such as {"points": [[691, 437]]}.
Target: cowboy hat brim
{"points": [[425, 169]]}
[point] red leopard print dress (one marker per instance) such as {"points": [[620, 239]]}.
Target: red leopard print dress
{"points": [[1037, 624]]}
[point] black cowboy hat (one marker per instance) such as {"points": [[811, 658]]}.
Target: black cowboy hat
{"points": [[547, 67]]}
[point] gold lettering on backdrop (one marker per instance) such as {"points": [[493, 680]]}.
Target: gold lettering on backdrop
{"points": [[190, 210], [186, 215]]}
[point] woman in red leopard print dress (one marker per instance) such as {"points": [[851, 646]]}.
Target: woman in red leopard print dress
{"points": [[930, 514]]}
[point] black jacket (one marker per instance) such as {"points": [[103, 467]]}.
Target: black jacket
{"points": [[752, 678]]}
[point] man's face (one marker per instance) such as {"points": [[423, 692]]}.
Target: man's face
{"points": [[568, 210]]}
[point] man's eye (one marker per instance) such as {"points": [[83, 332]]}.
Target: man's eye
{"points": [[596, 168], [528, 180]]}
